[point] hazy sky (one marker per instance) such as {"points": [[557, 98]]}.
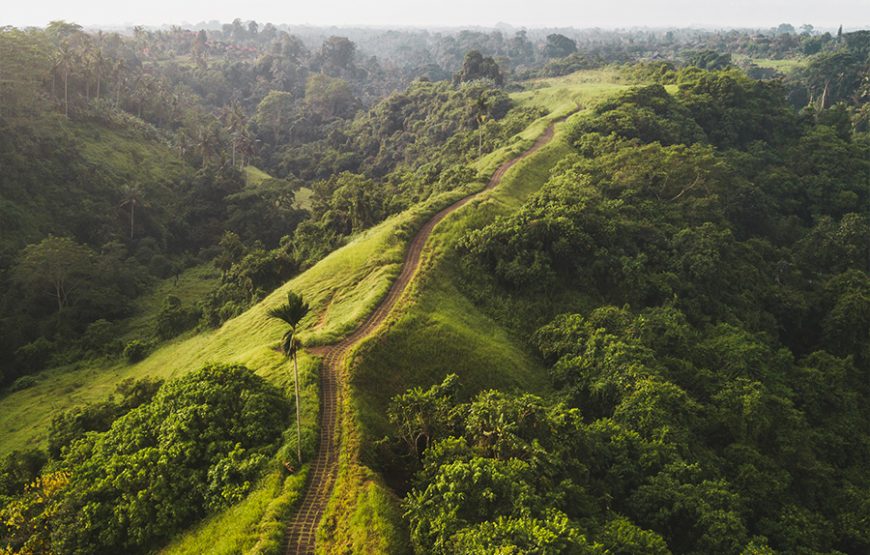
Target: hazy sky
{"points": [[525, 13]]}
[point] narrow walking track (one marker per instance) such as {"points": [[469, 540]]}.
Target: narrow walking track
{"points": [[303, 526]]}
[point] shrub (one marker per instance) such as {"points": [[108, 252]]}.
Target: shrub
{"points": [[137, 350], [23, 383], [35, 355], [195, 448], [174, 319], [99, 337]]}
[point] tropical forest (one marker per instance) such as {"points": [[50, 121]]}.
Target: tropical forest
{"points": [[433, 289]]}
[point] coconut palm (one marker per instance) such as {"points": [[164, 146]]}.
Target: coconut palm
{"points": [[291, 314]]}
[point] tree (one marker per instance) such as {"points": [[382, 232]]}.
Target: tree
{"points": [[132, 198], [291, 314], [273, 113], [56, 266], [330, 97], [419, 415], [198, 446], [559, 46], [337, 53], [477, 66]]}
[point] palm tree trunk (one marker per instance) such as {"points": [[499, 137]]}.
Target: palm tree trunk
{"points": [[66, 93], [298, 412], [132, 216]]}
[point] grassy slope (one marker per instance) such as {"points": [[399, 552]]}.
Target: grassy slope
{"points": [[343, 288], [439, 330], [255, 176], [120, 157], [128, 157], [193, 284], [784, 66]]}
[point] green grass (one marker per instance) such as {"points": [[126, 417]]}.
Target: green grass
{"points": [[562, 95], [129, 158], [784, 66], [254, 176], [192, 286], [255, 525], [303, 197], [437, 328]]}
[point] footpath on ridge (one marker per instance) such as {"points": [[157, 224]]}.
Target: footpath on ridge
{"points": [[302, 528]]}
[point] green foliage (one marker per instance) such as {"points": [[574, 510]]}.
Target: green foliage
{"points": [[645, 113], [559, 46], [291, 314], [34, 356], [708, 59], [509, 474], [174, 319], [71, 425], [100, 337], [137, 350], [476, 66], [19, 469], [724, 305], [196, 447], [420, 415], [247, 276], [329, 97]]}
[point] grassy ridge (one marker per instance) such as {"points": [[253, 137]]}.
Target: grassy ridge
{"points": [[439, 330], [342, 289], [255, 525]]}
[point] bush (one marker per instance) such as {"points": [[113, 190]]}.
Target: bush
{"points": [[73, 424], [196, 447], [35, 355], [174, 319], [137, 350], [99, 337], [23, 383], [18, 469], [161, 266]]}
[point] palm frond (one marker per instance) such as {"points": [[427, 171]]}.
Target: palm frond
{"points": [[292, 312]]}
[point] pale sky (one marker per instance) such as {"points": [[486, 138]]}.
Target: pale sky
{"points": [[852, 14]]}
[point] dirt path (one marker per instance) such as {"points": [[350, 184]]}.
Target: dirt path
{"points": [[303, 526]]}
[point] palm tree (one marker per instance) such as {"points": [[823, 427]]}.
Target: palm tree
{"points": [[132, 198], [291, 314]]}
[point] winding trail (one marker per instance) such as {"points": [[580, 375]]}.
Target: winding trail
{"points": [[302, 528]]}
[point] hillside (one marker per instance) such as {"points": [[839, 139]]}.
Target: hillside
{"points": [[577, 292]]}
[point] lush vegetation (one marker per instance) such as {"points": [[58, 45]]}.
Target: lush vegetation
{"points": [[196, 447], [658, 322], [710, 374]]}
